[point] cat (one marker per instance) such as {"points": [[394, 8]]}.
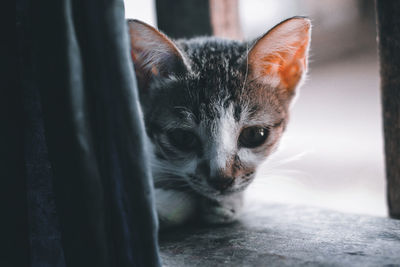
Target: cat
{"points": [[214, 110]]}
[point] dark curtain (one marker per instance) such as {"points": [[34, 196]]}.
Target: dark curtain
{"points": [[86, 179]]}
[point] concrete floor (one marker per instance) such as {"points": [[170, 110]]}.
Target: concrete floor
{"points": [[332, 153], [284, 235]]}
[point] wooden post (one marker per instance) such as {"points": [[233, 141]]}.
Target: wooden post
{"points": [[190, 18], [388, 20], [225, 19]]}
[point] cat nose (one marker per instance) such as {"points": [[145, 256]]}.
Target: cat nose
{"points": [[221, 183]]}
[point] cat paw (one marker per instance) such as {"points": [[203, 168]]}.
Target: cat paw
{"points": [[225, 211], [219, 215], [173, 207]]}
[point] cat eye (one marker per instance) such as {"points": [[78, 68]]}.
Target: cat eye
{"points": [[252, 137], [183, 140]]}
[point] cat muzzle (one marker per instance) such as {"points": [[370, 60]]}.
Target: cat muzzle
{"points": [[221, 183]]}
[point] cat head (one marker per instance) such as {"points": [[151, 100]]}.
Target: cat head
{"points": [[215, 109]]}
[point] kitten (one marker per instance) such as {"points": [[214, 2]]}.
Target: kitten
{"points": [[214, 110]]}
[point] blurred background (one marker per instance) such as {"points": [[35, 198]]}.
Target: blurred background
{"points": [[332, 153]]}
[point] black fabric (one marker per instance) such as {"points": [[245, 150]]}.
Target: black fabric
{"points": [[88, 181], [13, 191], [44, 230]]}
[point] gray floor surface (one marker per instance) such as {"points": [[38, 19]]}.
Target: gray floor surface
{"points": [[285, 235]]}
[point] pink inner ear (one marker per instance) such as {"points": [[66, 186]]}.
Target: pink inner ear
{"points": [[280, 57], [151, 50], [287, 65], [293, 67]]}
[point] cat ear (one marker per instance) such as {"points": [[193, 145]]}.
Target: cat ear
{"points": [[153, 53], [279, 58]]}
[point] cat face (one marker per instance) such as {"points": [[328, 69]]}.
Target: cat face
{"points": [[215, 109]]}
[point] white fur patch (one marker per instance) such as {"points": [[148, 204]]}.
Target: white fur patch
{"points": [[173, 207], [250, 158], [225, 139]]}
